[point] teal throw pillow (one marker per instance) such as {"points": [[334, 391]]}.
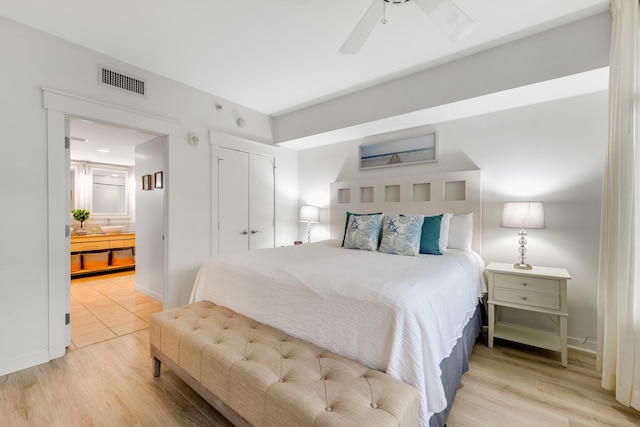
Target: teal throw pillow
{"points": [[430, 239]]}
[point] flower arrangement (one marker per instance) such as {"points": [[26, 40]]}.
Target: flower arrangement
{"points": [[80, 215]]}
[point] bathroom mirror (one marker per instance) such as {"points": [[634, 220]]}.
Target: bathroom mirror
{"points": [[109, 191], [102, 189]]}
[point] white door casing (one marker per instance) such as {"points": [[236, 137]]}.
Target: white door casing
{"points": [[67, 234], [58, 105]]}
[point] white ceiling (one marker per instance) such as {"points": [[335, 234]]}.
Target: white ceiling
{"points": [[272, 56], [90, 139], [277, 56]]}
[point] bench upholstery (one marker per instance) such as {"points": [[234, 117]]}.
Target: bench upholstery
{"points": [[257, 375]]}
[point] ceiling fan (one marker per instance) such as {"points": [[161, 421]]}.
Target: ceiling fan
{"points": [[449, 18]]}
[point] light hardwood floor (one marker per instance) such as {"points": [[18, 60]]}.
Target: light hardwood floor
{"points": [[109, 383], [517, 385]]}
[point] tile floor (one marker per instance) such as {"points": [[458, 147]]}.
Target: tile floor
{"points": [[107, 306]]}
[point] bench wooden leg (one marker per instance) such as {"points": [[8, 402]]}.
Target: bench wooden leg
{"points": [[156, 367]]}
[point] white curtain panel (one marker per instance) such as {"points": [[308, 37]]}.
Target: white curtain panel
{"points": [[619, 275]]}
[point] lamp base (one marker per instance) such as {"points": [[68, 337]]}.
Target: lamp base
{"points": [[522, 266]]}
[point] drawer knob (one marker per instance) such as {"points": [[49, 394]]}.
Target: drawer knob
{"points": [[523, 298], [523, 284]]}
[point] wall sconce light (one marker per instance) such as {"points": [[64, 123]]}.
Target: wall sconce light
{"points": [[309, 214], [523, 215]]}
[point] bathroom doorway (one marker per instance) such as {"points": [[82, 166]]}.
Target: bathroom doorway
{"points": [[60, 107], [104, 173]]}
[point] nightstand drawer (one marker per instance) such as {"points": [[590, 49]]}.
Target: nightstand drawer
{"points": [[529, 284], [549, 301]]}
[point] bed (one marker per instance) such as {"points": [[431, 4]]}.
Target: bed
{"points": [[413, 317]]}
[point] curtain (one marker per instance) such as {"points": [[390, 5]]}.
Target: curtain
{"points": [[618, 356]]}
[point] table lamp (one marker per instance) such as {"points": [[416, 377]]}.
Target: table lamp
{"points": [[523, 215], [309, 214]]}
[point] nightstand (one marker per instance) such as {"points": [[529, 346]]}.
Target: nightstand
{"points": [[542, 290]]}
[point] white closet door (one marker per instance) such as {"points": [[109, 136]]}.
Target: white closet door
{"points": [[233, 200], [261, 202]]}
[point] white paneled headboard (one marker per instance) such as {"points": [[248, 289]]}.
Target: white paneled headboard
{"points": [[432, 194]]}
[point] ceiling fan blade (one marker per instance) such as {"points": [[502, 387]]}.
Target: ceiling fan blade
{"points": [[361, 32], [449, 18]]}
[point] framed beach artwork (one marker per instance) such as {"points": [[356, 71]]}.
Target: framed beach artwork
{"points": [[400, 152]]}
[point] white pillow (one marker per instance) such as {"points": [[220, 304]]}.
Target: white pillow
{"points": [[461, 232], [444, 231]]}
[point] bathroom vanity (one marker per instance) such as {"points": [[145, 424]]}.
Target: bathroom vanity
{"points": [[98, 243]]}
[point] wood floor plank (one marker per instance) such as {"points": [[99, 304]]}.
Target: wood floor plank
{"points": [[515, 385], [110, 384]]}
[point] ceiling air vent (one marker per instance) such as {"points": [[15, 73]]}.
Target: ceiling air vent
{"points": [[113, 78]]}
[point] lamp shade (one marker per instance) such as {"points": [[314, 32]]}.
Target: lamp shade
{"points": [[523, 215], [309, 214]]}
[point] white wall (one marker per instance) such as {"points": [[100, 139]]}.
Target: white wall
{"points": [[150, 214], [32, 60], [552, 152]]}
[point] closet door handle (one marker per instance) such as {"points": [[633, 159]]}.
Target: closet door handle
{"points": [[256, 231], [244, 232]]}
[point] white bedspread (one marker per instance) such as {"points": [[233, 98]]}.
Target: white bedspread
{"points": [[398, 314]]}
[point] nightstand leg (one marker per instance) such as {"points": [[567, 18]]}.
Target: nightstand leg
{"points": [[492, 320], [563, 339]]}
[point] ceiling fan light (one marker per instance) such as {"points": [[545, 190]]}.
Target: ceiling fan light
{"points": [[448, 18]]}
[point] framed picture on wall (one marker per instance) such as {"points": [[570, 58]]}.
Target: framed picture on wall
{"points": [[400, 152], [147, 183], [157, 180]]}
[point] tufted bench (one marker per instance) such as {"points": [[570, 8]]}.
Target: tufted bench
{"points": [[257, 375]]}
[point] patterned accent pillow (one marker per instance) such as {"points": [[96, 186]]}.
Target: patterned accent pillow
{"points": [[401, 235], [346, 223], [363, 232]]}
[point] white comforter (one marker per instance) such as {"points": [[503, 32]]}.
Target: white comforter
{"points": [[398, 314]]}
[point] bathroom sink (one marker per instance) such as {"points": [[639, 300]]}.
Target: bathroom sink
{"points": [[112, 229]]}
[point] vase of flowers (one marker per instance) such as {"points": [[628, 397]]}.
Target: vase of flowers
{"points": [[80, 215]]}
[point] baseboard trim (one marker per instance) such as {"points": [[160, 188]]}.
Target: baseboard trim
{"points": [[24, 362], [148, 292], [582, 344]]}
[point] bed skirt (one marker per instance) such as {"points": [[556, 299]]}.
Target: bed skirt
{"points": [[458, 363]]}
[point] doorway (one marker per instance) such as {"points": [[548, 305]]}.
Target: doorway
{"points": [[60, 106], [107, 302]]}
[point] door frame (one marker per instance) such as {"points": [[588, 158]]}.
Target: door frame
{"points": [[58, 106]]}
